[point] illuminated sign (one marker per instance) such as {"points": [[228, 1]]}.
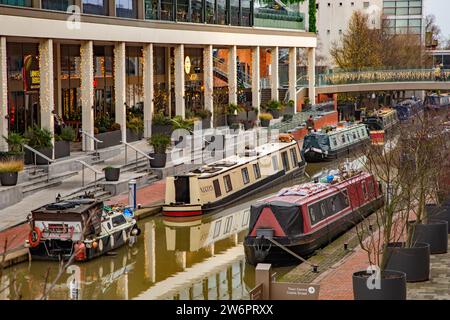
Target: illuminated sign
{"points": [[187, 65]]}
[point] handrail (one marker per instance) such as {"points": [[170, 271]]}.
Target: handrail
{"points": [[126, 144], [86, 134], [84, 164], [37, 153]]}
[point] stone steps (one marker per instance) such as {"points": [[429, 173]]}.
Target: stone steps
{"points": [[40, 182]]}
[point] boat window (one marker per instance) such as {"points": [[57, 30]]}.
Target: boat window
{"points": [[119, 220], [334, 141], [245, 218], [354, 135], [217, 190], [245, 176], [228, 225], [362, 132], [364, 190], [371, 187], [294, 156], [323, 209], [217, 228], [275, 162], [343, 138], [312, 215], [108, 225], [227, 182], [285, 160], [256, 170]]}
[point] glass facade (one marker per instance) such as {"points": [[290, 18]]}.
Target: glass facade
{"points": [[406, 12], [134, 77], [70, 84], [20, 3], [23, 85], [99, 7], [126, 9], [234, 12], [103, 81], [59, 5]]}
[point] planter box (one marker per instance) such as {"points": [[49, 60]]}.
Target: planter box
{"points": [[440, 213], [158, 161], [133, 135], [62, 149], [206, 123], [29, 156], [435, 233], [166, 129], [414, 261], [9, 178], [275, 113], [265, 123], [392, 286], [109, 139], [112, 174], [252, 115]]}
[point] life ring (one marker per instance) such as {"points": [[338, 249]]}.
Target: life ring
{"points": [[100, 245], [111, 241], [34, 238]]}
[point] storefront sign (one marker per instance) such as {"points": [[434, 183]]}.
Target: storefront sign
{"points": [[187, 65], [35, 79]]}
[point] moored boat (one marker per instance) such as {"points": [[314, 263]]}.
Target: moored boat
{"points": [[437, 102], [381, 124], [329, 145], [306, 217], [219, 184], [407, 109], [81, 229]]}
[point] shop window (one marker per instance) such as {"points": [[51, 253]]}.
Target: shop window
{"points": [[99, 7], [126, 9]]}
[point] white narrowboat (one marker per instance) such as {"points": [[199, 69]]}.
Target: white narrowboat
{"points": [[214, 186], [322, 146]]}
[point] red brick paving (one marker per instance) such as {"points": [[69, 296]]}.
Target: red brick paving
{"points": [[14, 236], [146, 196]]}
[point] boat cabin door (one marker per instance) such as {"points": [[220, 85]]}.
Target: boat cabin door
{"points": [[182, 190]]}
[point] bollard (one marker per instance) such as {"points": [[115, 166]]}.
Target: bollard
{"points": [[132, 194]]}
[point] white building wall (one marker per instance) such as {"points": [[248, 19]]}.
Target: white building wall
{"points": [[333, 17]]}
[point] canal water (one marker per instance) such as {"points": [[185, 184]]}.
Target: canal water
{"points": [[174, 258]]}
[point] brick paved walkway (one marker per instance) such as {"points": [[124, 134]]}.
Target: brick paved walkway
{"points": [[146, 196], [336, 284]]}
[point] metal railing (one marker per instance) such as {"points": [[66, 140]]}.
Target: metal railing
{"points": [[37, 153], [88, 135], [127, 145], [85, 165]]}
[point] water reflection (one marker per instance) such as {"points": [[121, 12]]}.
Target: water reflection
{"points": [[196, 258]]}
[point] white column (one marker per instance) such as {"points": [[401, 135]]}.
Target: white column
{"points": [[180, 107], [46, 94], [148, 89], [274, 73], [293, 76], [120, 83], [232, 75], [312, 74], [208, 80], [3, 95], [87, 92], [256, 96]]}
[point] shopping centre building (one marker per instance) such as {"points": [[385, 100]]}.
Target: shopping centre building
{"points": [[90, 59]]}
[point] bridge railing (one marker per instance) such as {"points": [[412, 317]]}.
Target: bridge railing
{"points": [[380, 76], [376, 76]]}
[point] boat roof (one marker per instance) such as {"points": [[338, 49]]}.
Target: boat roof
{"points": [[310, 191], [338, 129], [235, 161], [77, 206]]}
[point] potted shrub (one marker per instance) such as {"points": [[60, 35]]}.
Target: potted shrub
{"points": [[248, 124], [232, 111], [161, 124], [39, 139], [15, 143], [159, 142], [265, 119], [380, 281], [9, 171], [205, 116], [274, 107], [109, 132], [112, 173], [135, 129], [62, 142]]}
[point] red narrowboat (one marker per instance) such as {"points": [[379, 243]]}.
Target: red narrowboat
{"points": [[306, 217]]}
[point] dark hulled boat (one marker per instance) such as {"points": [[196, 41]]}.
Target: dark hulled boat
{"points": [[328, 145], [306, 217], [381, 124]]}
